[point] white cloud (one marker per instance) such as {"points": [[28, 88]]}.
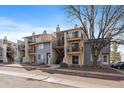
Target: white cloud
{"points": [[15, 30]]}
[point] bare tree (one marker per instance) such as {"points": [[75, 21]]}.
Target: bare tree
{"points": [[104, 25], [115, 54]]}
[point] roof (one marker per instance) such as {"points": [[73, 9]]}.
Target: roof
{"points": [[37, 35], [69, 30]]}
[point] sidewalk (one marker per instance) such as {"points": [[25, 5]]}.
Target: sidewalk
{"points": [[52, 79], [25, 75], [100, 75]]}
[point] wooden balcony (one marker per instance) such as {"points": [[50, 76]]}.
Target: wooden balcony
{"points": [[30, 41], [39, 39], [73, 50], [31, 52], [74, 36], [10, 52], [73, 39], [73, 53], [31, 44], [59, 45]]}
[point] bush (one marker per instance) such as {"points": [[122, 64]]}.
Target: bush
{"points": [[27, 62], [64, 65]]}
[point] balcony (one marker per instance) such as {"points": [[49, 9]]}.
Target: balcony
{"points": [[43, 39], [73, 50], [74, 36], [31, 52], [39, 40], [10, 51], [59, 44]]}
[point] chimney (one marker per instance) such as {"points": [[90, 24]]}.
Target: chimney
{"points": [[75, 26], [57, 28], [33, 38], [5, 40], [33, 33], [44, 32]]}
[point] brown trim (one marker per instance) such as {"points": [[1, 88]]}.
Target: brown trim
{"points": [[32, 54], [73, 39], [73, 53], [59, 47], [36, 43]]}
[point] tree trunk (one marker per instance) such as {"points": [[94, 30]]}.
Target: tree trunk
{"points": [[95, 56], [94, 60]]}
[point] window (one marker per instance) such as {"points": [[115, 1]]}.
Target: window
{"points": [[75, 59], [75, 34], [1, 51], [105, 58], [39, 56], [41, 46], [75, 46]]}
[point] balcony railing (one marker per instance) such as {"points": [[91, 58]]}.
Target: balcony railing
{"points": [[42, 39], [60, 43], [30, 51], [73, 49], [74, 35], [9, 50]]}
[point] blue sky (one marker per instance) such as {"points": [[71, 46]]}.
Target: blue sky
{"points": [[20, 21]]}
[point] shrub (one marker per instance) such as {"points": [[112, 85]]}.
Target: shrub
{"points": [[64, 65], [27, 62]]}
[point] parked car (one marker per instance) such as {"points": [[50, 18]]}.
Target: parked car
{"points": [[119, 65]]}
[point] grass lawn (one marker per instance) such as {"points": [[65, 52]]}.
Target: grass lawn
{"points": [[93, 69]]}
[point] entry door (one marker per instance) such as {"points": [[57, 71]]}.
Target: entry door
{"points": [[48, 56], [105, 59], [75, 59]]}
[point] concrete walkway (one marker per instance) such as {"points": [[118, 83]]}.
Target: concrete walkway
{"points": [[14, 65], [73, 72], [51, 79], [24, 75]]}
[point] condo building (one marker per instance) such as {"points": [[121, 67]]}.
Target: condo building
{"points": [[72, 48], [38, 49], [7, 51], [20, 51], [68, 46]]}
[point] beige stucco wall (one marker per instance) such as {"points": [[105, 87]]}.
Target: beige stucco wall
{"points": [[4, 53], [122, 58], [26, 58], [68, 57]]}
